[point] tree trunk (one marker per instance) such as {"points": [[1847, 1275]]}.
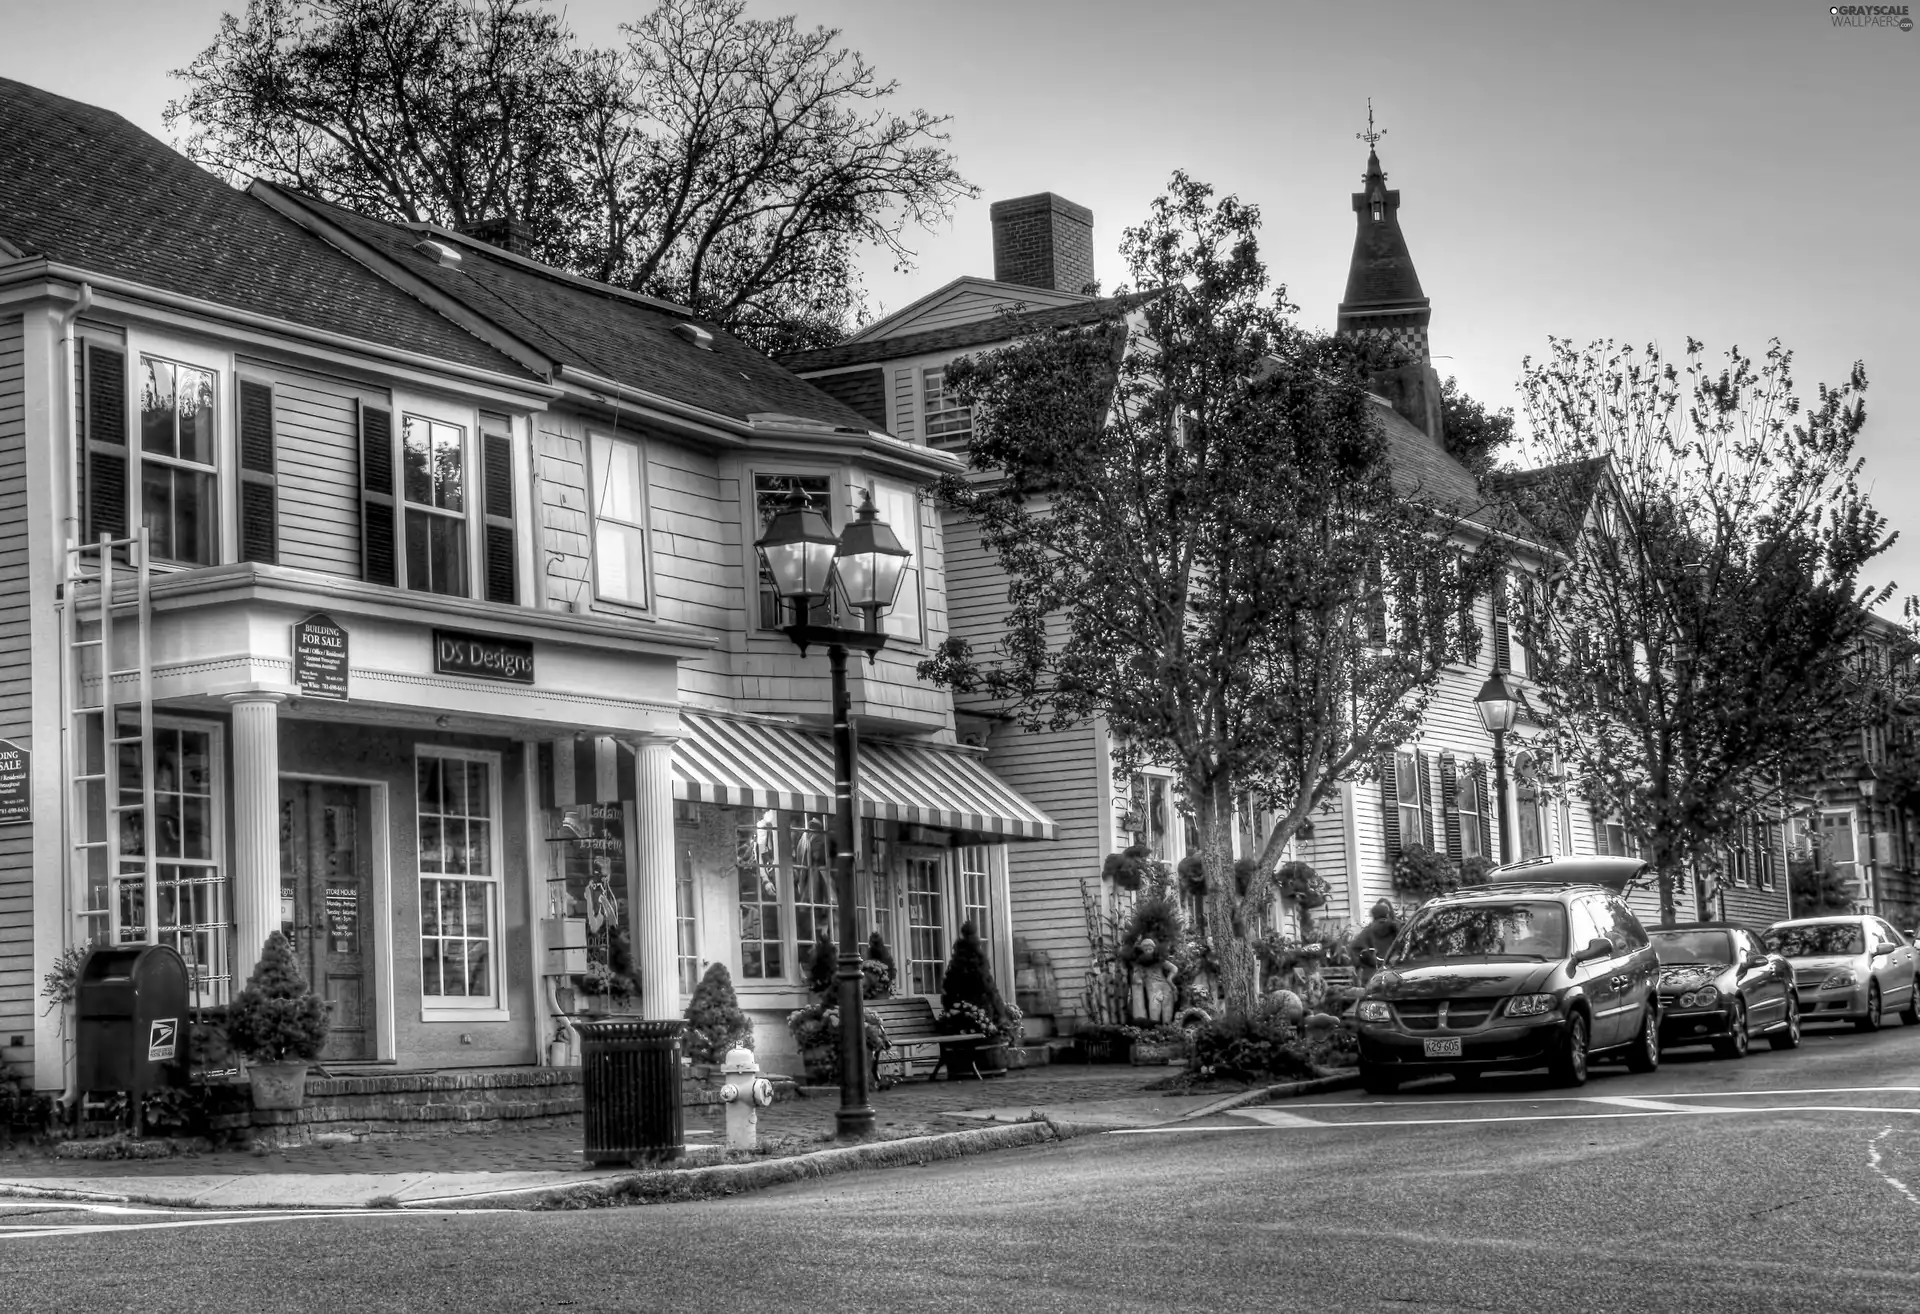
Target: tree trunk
{"points": [[1227, 929]]}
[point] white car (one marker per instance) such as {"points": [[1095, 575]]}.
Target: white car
{"points": [[1853, 968]]}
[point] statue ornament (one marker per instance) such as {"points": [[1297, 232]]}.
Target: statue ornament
{"points": [[1154, 993]]}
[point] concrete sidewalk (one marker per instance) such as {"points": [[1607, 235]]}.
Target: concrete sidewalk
{"points": [[544, 1168]]}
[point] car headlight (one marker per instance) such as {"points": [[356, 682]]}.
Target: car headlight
{"points": [[1529, 1005], [1705, 995], [1837, 980], [1373, 1010]]}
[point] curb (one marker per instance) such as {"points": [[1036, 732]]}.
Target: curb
{"points": [[1285, 1090], [669, 1185]]}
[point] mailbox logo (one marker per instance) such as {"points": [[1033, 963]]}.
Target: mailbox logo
{"points": [[162, 1039]]}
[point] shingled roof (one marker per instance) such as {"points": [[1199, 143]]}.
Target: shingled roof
{"points": [[1555, 497], [973, 333], [81, 186], [594, 328]]}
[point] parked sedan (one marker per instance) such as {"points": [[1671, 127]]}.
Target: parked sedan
{"points": [[1720, 986], [1849, 968]]}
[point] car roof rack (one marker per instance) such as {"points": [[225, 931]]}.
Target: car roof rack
{"points": [[1572, 869]]}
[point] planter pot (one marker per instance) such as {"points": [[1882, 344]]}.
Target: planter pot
{"points": [[991, 1060], [822, 1065], [278, 1085], [1161, 1052], [963, 1059]]}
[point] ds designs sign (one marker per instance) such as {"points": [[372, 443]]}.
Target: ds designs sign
{"points": [[483, 657]]}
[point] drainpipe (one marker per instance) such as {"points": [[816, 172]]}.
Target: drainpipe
{"points": [[70, 533]]}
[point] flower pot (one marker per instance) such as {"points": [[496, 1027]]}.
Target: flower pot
{"points": [[991, 1060], [1149, 1053], [278, 1085], [822, 1064]]}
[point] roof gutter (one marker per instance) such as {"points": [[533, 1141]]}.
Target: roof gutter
{"points": [[127, 295]]}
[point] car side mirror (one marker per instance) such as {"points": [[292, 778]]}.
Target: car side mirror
{"points": [[1595, 948], [1881, 949]]}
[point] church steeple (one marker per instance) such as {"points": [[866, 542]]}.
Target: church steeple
{"points": [[1384, 302]]}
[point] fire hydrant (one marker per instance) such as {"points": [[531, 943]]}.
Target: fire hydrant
{"points": [[745, 1093]]}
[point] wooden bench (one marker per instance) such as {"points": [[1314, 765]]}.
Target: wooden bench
{"points": [[912, 1032]]}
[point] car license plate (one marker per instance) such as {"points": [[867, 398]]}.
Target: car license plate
{"points": [[1447, 1048]]}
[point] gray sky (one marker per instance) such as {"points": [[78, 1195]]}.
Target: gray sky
{"points": [[1735, 170]]}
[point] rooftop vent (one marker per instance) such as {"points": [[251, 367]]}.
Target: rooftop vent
{"points": [[438, 252], [693, 333]]}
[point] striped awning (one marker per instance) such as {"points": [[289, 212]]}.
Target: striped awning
{"points": [[764, 765], [585, 769]]}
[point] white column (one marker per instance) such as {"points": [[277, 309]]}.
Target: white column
{"points": [[255, 879], [651, 899]]}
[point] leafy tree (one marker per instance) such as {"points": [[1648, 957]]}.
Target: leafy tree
{"points": [[1699, 651], [1474, 436], [1195, 509], [736, 165], [715, 1023], [277, 1018]]}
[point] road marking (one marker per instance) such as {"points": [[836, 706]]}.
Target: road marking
{"points": [[1302, 1123], [1276, 1118], [21, 1231], [1524, 1097], [1873, 1162], [1665, 1106]]}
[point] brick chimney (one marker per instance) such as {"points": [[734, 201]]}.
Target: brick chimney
{"points": [[1043, 241], [497, 230]]}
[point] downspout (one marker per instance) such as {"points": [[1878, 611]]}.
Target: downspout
{"points": [[70, 533]]}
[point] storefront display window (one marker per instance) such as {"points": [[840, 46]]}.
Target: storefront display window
{"points": [[926, 926], [757, 870], [813, 893], [589, 881], [686, 924], [188, 887], [459, 878]]}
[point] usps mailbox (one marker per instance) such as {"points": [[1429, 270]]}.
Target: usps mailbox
{"points": [[131, 1005]]}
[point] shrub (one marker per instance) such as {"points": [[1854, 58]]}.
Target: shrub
{"points": [[1474, 870], [824, 959], [1301, 883], [1258, 1043], [277, 1019], [715, 1023], [1422, 872], [816, 1028], [878, 968], [1155, 918]]}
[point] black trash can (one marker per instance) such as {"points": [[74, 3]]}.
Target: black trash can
{"points": [[631, 1073]]}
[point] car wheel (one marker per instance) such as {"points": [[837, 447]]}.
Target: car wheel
{"points": [[1569, 1066], [1645, 1054], [1874, 1019], [1788, 1037], [1736, 1043], [1910, 1015], [1376, 1081]]}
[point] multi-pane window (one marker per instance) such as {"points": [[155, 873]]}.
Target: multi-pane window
{"points": [[813, 901], [770, 493], [1412, 810], [188, 890], [900, 508], [877, 885], [433, 482], [926, 927], [948, 422], [686, 923], [619, 520], [757, 871], [974, 902], [179, 505], [1466, 796], [459, 880], [1152, 819]]}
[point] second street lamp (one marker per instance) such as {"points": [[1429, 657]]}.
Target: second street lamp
{"points": [[1498, 707], [868, 563]]}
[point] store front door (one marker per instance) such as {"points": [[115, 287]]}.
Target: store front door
{"points": [[326, 884]]}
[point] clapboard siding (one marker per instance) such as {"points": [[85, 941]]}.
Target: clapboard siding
{"points": [[16, 708], [966, 305], [863, 390], [316, 428]]}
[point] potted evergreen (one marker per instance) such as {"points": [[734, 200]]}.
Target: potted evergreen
{"points": [[715, 1023], [972, 1003], [280, 1025], [877, 970]]}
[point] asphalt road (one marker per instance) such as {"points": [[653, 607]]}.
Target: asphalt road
{"points": [[1787, 1181]]}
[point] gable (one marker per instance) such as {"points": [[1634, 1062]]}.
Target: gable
{"points": [[961, 302]]}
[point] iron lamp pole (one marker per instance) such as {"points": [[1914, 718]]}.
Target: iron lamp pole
{"points": [[1498, 705], [867, 563]]}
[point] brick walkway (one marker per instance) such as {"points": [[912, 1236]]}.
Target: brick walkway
{"points": [[795, 1124]]}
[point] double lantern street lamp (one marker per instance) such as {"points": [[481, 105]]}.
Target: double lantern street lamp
{"points": [[868, 563], [1498, 705]]}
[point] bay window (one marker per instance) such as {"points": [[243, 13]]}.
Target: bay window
{"points": [[619, 519], [900, 507], [770, 493]]}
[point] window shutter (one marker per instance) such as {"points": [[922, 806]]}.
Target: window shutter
{"points": [[259, 496], [1450, 803], [496, 458], [1495, 845], [106, 442], [1376, 604], [1502, 652], [378, 562], [1390, 805], [1426, 798]]}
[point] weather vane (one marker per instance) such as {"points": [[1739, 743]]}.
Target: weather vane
{"points": [[1370, 136]]}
